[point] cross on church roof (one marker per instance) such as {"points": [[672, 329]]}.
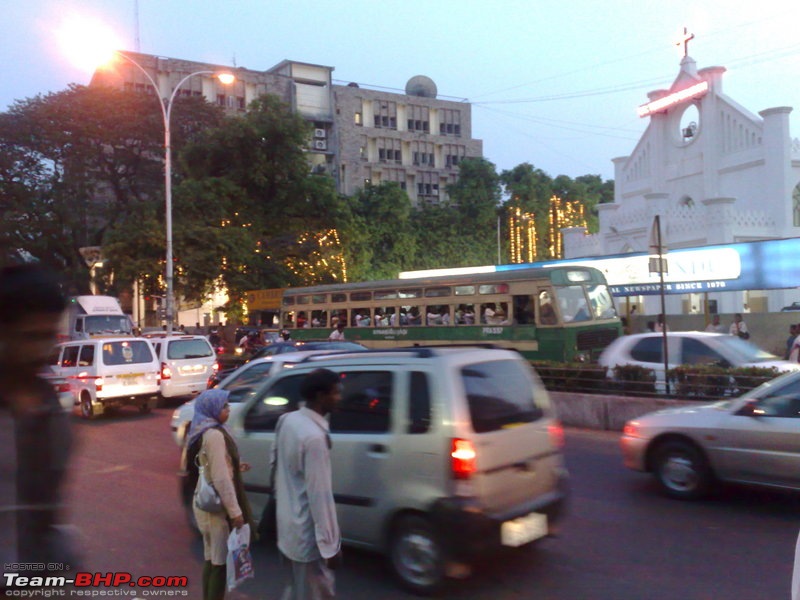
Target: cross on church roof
{"points": [[687, 37]]}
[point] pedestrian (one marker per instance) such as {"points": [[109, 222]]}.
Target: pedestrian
{"points": [[790, 340], [338, 333], [739, 327], [35, 436], [715, 326], [308, 531], [286, 335], [211, 446], [661, 324]]}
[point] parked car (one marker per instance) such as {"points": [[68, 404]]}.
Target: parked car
{"points": [[754, 439], [688, 348], [242, 383], [439, 455], [187, 361], [108, 373], [285, 348], [791, 307]]}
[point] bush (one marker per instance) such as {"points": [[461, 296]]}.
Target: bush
{"points": [[570, 377], [631, 380], [703, 381]]}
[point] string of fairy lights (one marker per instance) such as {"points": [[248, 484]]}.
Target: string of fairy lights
{"points": [[523, 238]]}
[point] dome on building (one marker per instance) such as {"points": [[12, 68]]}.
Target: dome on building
{"points": [[421, 86]]}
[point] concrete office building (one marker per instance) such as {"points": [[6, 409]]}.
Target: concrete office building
{"points": [[359, 136]]}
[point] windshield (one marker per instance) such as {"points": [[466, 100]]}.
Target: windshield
{"points": [[744, 350], [601, 301], [107, 324], [572, 302]]}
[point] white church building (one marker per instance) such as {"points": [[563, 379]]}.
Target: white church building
{"points": [[715, 173]]}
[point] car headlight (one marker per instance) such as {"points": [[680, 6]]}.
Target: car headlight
{"points": [[631, 429]]}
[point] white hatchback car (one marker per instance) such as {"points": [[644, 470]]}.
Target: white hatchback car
{"points": [[688, 348], [187, 361]]}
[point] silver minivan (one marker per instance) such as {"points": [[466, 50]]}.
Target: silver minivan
{"points": [[107, 373], [439, 455]]}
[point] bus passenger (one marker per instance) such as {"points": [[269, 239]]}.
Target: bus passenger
{"points": [[469, 316], [434, 318], [445, 318]]}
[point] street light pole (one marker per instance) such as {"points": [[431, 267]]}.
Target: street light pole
{"points": [[166, 113]]}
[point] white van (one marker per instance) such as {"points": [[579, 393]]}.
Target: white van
{"points": [[108, 372], [94, 316], [186, 363]]}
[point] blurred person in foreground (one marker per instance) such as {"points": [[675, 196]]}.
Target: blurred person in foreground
{"points": [[211, 446], [308, 531], [35, 438]]}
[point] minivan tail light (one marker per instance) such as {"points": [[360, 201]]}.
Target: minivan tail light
{"points": [[166, 372], [556, 431], [462, 454], [215, 367], [98, 384]]}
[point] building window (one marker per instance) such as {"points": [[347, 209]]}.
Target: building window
{"points": [[449, 122], [221, 99], [357, 119], [385, 114], [418, 118]]}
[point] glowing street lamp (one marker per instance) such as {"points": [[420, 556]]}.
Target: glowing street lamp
{"points": [[166, 113]]}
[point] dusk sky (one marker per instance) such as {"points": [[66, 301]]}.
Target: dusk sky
{"points": [[552, 83]]}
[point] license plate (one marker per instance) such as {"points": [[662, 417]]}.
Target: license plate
{"points": [[523, 530], [131, 379]]}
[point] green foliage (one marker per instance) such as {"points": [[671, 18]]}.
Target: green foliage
{"points": [[633, 379], [709, 381], [570, 377]]}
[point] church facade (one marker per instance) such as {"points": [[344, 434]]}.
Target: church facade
{"points": [[715, 173]]}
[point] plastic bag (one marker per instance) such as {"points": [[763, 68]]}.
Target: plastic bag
{"points": [[240, 562]]}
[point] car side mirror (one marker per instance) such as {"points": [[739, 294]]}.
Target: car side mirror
{"points": [[749, 409]]}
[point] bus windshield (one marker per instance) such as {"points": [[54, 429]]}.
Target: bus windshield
{"points": [[572, 300]]}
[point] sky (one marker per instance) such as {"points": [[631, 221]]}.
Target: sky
{"points": [[552, 82]]}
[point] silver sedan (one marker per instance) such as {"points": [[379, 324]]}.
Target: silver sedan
{"points": [[754, 439]]}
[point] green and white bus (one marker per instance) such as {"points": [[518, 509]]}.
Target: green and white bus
{"points": [[559, 313]]}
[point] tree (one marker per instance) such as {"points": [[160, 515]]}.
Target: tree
{"points": [[529, 190], [83, 166], [379, 237], [255, 165]]}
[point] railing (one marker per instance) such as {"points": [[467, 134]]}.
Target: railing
{"points": [[686, 382]]}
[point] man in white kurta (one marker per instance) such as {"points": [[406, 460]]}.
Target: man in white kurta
{"points": [[308, 531]]}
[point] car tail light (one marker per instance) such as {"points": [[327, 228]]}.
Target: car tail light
{"points": [[98, 383], [631, 429], [166, 372], [62, 387], [556, 431], [462, 456]]}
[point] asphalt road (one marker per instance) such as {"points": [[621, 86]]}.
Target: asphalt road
{"points": [[620, 541]]}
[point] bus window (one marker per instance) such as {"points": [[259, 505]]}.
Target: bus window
{"points": [[302, 320], [523, 310], [547, 312], [464, 290], [361, 317], [494, 288], [338, 315], [386, 316], [437, 314], [385, 294], [360, 296], [437, 292], [495, 313], [572, 301], [465, 314], [288, 318], [410, 316], [342, 297], [319, 318], [304, 299]]}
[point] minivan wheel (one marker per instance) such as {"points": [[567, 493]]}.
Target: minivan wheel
{"points": [[416, 555], [682, 471], [87, 412]]}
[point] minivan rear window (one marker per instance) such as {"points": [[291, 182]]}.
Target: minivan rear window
{"points": [[182, 349], [127, 352], [500, 395]]}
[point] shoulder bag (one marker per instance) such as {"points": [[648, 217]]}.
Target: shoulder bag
{"points": [[206, 497]]}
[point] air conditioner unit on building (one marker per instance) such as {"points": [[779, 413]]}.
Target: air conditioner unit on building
{"points": [[320, 145], [319, 133]]}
